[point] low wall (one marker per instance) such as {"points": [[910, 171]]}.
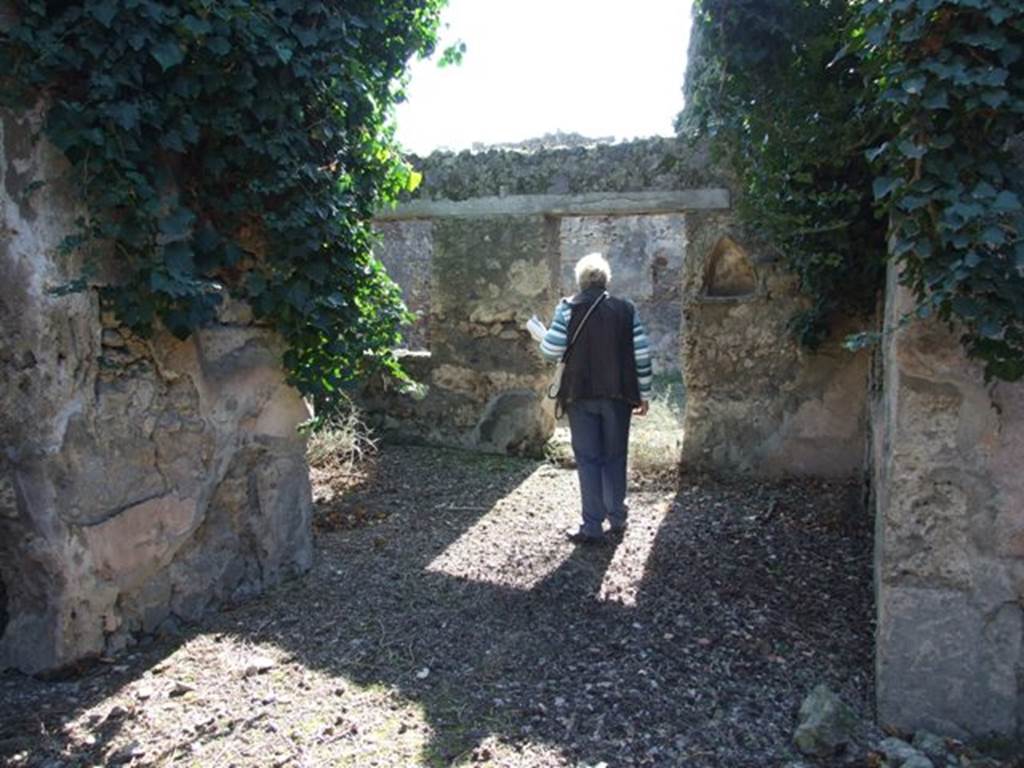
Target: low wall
{"points": [[141, 482], [949, 568]]}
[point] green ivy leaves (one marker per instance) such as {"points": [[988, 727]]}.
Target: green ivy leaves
{"points": [[226, 147], [912, 123], [949, 77], [783, 110]]}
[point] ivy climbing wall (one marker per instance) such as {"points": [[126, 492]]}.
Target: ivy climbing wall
{"points": [[910, 170]]}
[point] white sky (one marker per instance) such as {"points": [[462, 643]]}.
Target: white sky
{"points": [[596, 67]]}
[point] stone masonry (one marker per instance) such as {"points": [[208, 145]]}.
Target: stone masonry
{"points": [[142, 482], [659, 210], [949, 568], [476, 270], [757, 403]]}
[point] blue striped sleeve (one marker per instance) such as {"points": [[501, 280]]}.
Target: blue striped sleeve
{"points": [[553, 345], [642, 356]]}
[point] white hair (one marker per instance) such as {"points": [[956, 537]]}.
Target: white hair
{"points": [[592, 271]]}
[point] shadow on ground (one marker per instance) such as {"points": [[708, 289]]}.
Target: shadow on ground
{"points": [[691, 643]]}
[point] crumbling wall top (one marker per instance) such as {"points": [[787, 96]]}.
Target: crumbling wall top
{"points": [[655, 164]]}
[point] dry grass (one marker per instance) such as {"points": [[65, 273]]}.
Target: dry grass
{"points": [[342, 443], [340, 455], [655, 440]]}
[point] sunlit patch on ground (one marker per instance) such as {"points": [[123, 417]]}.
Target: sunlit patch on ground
{"points": [[527, 526], [628, 566], [219, 700]]}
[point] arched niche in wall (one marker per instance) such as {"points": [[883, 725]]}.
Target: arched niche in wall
{"points": [[730, 274]]}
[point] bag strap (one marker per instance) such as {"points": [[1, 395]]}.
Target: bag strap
{"points": [[583, 322]]}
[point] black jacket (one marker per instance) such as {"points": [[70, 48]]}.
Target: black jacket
{"points": [[601, 364]]}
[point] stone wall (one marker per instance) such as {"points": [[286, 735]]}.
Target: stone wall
{"points": [[491, 238], [482, 373], [142, 482], [657, 164], [645, 253], [949, 570], [716, 304], [757, 403], [645, 250]]}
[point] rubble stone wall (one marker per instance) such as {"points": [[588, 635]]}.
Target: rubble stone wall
{"points": [[645, 253], [657, 164], [658, 209], [757, 403], [482, 373], [142, 482], [473, 277], [949, 566]]}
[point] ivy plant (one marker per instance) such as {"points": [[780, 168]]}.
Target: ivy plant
{"points": [[873, 130], [794, 130], [231, 147], [949, 77]]}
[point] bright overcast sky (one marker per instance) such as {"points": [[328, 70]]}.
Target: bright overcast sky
{"points": [[595, 67]]}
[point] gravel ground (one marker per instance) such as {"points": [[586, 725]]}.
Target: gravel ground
{"points": [[448, 622]]}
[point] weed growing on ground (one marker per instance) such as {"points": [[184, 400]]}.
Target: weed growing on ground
{"points": [[655, 441], [657, 438], [343, 442]]}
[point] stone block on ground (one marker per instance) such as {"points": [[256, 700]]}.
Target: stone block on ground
{"points": [[918, 761], [931, 745], [826, 724], [896, 751]]}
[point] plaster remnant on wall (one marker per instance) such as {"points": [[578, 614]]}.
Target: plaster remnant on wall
{"points": [[757, 403], [487, 277], [949, 570], [142, 482]]}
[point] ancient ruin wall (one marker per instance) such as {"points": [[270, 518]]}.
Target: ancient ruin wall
{"points": [[484, 277], [657, 164], [141, 482], [646, 251], [474, 275], [949, 567], [757, 402], [717, 306]]}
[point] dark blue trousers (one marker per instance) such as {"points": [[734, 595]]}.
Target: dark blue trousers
{"points": [[600, 441]]}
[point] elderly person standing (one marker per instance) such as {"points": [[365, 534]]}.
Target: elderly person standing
{"points": [[607, 379]]}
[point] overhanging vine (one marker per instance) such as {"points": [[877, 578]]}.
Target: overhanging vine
{"points": [[231, 146], [870, 130]]}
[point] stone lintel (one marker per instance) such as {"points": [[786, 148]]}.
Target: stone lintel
{"points": [[589, 204]]}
